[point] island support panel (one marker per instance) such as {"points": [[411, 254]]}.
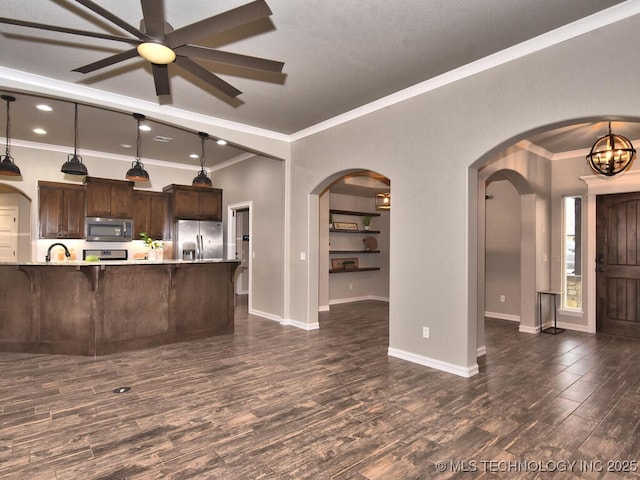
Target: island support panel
{"points": [[100, 309]]}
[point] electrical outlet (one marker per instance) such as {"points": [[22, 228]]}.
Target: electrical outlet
{"points": [[502, 299], [425, 332], [351, 286]]}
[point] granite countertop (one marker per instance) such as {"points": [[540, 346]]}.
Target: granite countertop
{"points": [[82, 263]]}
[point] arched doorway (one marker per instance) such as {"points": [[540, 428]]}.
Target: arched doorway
{"points": [[353, 234], [15, 225]]}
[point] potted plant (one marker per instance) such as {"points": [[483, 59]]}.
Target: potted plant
{"points": [[366, 221], [156, 247]]}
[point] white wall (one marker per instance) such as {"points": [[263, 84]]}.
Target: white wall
{"points": [[261, 181], [502, 251], [472, 118]]}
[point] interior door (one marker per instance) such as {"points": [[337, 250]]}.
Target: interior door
{"points": [[8, 234], [618, 264]]}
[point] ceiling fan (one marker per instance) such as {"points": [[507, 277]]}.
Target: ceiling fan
{"points": [[158, 43]]}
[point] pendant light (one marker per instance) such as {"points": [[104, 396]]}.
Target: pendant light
{"points": [[137, 173], [74, 165], [202, 180], [7, 165], [611, 154]]}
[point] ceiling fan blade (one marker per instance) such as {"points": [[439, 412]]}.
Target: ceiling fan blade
{"points": [[205, 75], [161, 79], [219, 23], [204, 53], [105, 62], [153, 14], [72, 31], [112, 18]]}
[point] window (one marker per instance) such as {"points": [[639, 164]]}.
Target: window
{"points": [[572, 249]]}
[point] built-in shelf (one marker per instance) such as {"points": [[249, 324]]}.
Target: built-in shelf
{"points": [[354, 270], [353, 251], [333, 230], [350, 212]]}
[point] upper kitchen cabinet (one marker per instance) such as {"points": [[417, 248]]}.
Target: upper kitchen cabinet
{"points": [[195, 203], [150, 210], [109, 198], [61, 212]]}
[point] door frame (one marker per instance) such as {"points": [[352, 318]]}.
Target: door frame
{"points": [[601, 185], [231, 241]]}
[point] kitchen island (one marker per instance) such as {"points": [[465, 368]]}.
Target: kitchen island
{"points": [[98, 308]]}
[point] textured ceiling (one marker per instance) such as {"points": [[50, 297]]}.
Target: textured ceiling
{"points": [[338, 56]]}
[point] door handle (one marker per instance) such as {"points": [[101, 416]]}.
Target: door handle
{"points": [[599, 269], [600, 258]]}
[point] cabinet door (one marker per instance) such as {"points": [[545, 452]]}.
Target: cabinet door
{"points": [[186, 204], [150, 214], [73, 212], [51, 201], [61, 211], [98, 200], [121, 201], [210, 205], [109, 198]]}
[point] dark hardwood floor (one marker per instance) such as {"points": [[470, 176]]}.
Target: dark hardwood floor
{"points": [[274, 402]]}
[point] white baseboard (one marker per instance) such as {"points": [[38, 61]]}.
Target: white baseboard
{"points": [[358, 299], [268, 316], [302, 325], [433, 363], [481, 351], [574, 327], [527, 329], [503, 316], [324, 308]]}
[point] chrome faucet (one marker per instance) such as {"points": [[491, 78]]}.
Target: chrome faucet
{"points": [[58, 244]]}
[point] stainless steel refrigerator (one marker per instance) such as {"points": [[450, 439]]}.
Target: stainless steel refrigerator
{"points": [[199, 240]]}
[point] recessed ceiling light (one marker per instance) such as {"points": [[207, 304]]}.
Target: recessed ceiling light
{"points": [[40, 131], [145, 128], [44, 108], [194, 155], [126, 145], [221, 142]]}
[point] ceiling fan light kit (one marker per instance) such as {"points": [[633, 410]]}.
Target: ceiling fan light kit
{"points": [[8, 167], [611, 154], [156, 52]]}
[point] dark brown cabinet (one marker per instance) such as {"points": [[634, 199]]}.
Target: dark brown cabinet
{"points": [[109, 198], [62, 207], [193, 203], [150, 210]]}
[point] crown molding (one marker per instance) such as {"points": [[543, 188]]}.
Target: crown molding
{"points": [[566, 32]]}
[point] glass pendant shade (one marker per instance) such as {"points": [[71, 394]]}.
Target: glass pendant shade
{"points": [[137, 173], [611, 154], [202, 180], [8, 167], [74, 165]]}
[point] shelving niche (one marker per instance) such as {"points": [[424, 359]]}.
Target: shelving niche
{"points": [[349, 216]]}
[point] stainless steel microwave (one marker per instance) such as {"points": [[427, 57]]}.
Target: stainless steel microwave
{"points": [[99, 229]]}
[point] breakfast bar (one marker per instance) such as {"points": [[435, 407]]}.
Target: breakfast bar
{"points": [[98, 308]]}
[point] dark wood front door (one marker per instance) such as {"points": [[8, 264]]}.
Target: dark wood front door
{"points": [[618, 264]]}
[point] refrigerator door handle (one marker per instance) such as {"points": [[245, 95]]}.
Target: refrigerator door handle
{"points": [[201, 255]]}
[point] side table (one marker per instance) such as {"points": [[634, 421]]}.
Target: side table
{"points": [[555, 294]]}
